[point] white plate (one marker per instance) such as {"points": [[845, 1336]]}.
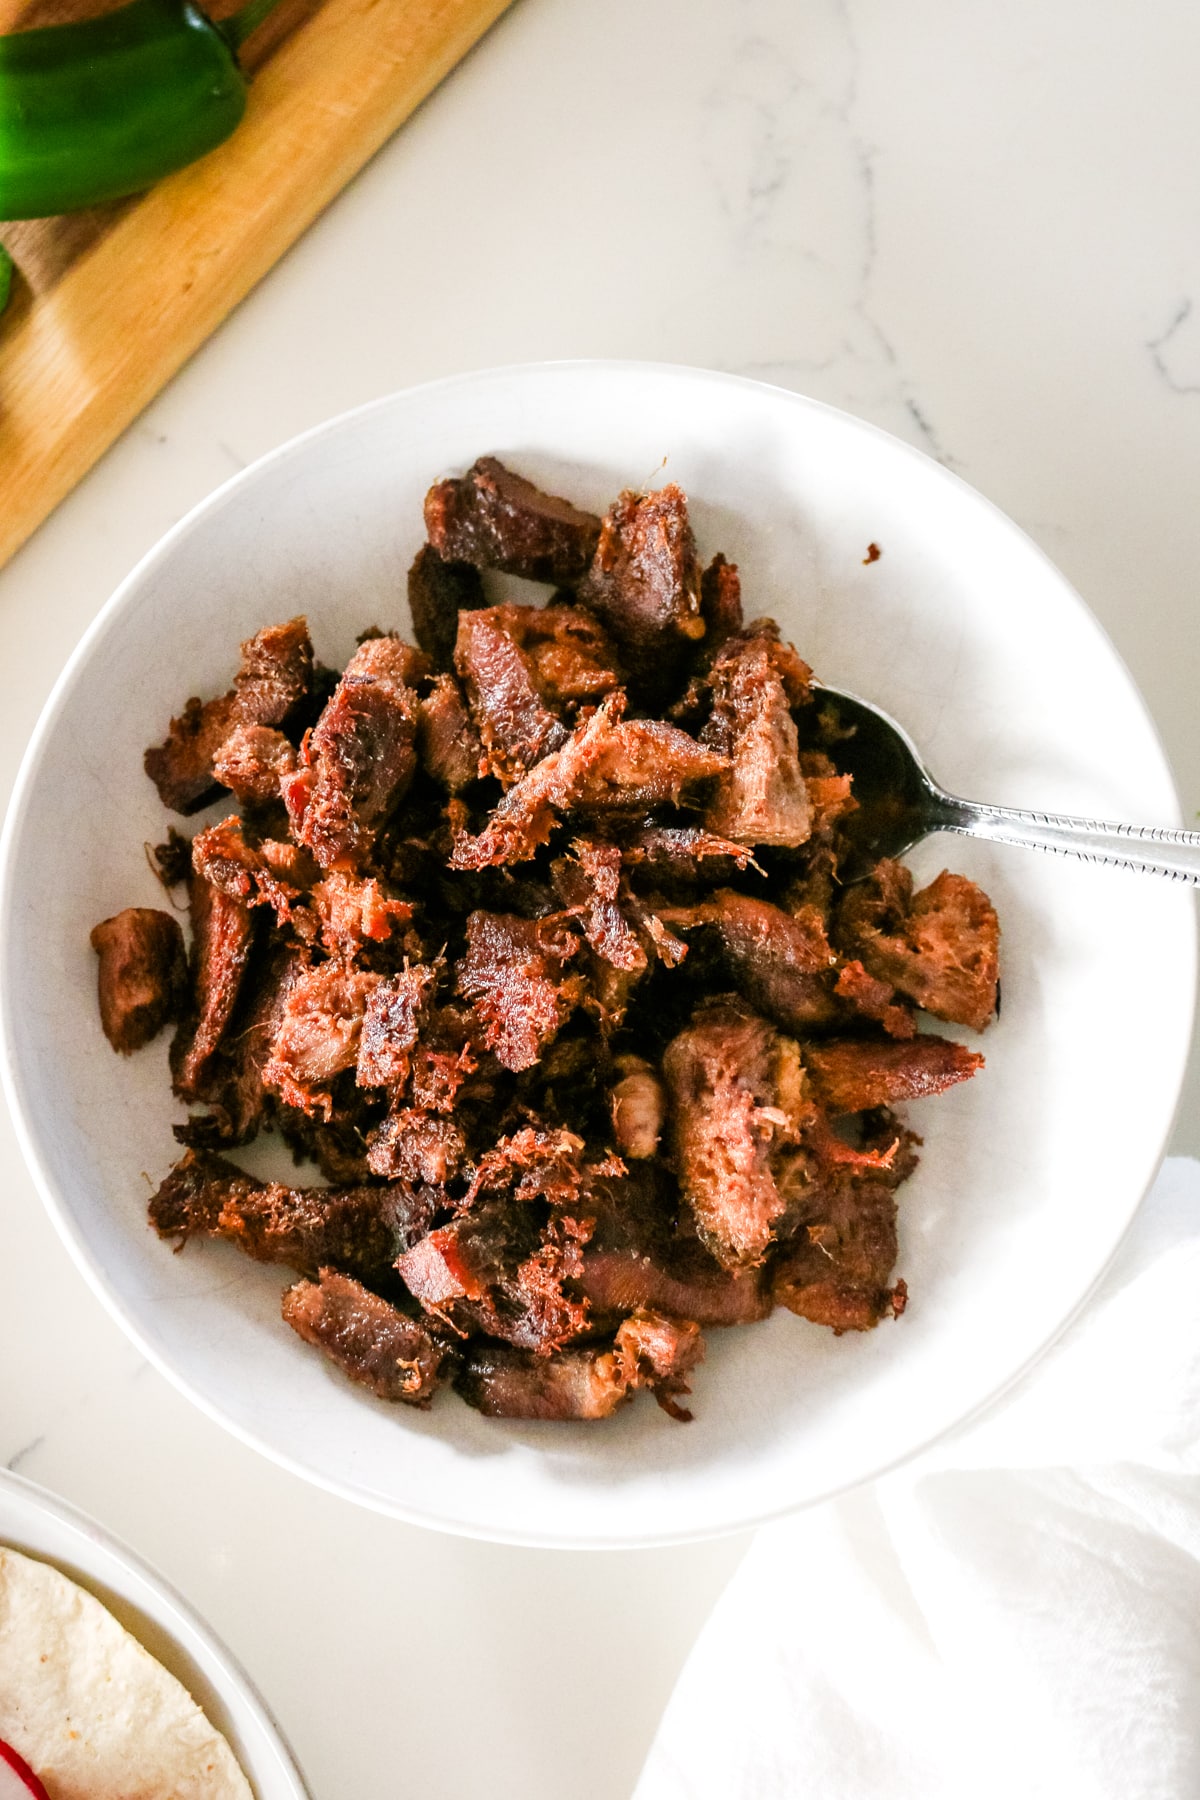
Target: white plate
{"points": [[962, 629], [39, 1525]]}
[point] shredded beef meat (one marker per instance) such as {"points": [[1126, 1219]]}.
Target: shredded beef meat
{"points": [[648, 1351], [607, 762], [448, 745], [319, 1035], [273, 680], [355, 911], [837, 1270], [780, 961], [941, 946], [720, 602], [514, 976], [359, 758], [233, 1089], [418, 1146], [395, 1011], [577, 1097], [515, 726], [142, 975], [762, 798], [736, 1092], [373, 1343], [644, 583], [222, 940], [252, 761], [243, 871], [588, 883], [497, 520]]}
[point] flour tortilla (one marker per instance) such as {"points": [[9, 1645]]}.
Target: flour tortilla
{"points": [[93, 1714]]}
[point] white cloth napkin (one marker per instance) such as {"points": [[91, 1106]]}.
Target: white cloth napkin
{"points": [[1017, 1614]]}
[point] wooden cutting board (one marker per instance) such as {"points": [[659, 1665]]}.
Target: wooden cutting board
{"points": [[109, 304]]}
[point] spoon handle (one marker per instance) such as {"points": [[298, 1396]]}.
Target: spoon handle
{"points": [[1154, 849]]}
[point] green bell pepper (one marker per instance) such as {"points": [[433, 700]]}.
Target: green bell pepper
{"points": [[93, 111]]}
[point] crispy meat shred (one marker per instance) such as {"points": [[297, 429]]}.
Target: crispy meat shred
{"points": [[539, 941]]}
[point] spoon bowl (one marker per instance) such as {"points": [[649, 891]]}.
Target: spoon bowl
{"points": [[899, 803]]}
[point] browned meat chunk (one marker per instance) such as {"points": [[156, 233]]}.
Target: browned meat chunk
{"points": [[584, 1384], [941, 946], [370, 1341], [460, 1261], [142, 977], [418, 1146], [588, 883], [252, 761], [319, 1036], [222, 939], [274, 678], [639, 1108], [359, 758], [395, 1013], [736, 1100], [515, 725], [607, 762], [837, 1271], [437, 592], [505, 1383], [690, 1284], [498, 520], [448, 744], [762, 799], [644, 583], [570, 656], [853, 1074], [780, 961], [514, 976], [362, 1229]]}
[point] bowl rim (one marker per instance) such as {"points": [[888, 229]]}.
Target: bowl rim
{"points": [[11, 1080], [183, 1614]]}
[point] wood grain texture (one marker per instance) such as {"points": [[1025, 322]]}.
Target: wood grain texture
{"points": [[80, 359]]}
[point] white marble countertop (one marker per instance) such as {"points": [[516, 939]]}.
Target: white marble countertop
{"points": [[974, 225]]}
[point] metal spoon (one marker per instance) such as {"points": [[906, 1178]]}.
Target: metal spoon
{"points": [[900, 803]]}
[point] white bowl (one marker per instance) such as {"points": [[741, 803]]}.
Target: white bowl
{"points": [[39, 1525], [961, 628]]}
